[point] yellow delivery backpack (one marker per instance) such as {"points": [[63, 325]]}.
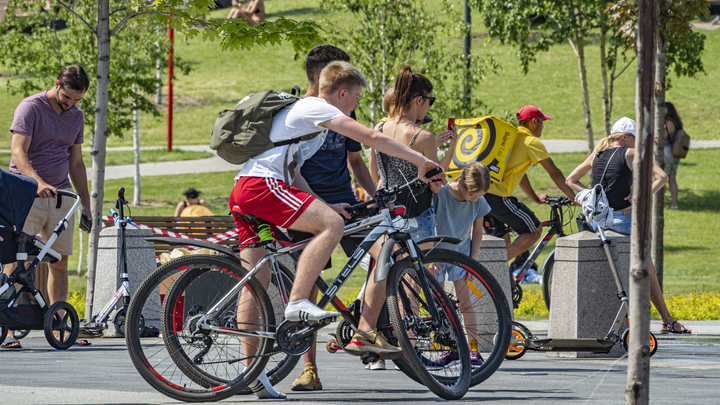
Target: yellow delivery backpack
{"points": [[488, 140]]}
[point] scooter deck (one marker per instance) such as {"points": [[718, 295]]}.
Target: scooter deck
{"points": [[571, 345]]}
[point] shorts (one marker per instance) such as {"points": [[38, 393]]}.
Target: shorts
{"points": [[43, 218], [268, 199], [420, 227], [622, 222], [671, 162], [450, 272], [511, 213]]}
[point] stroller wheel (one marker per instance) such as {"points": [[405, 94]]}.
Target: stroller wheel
{"points": [[3, 334], [19, 334], [61, 325]]}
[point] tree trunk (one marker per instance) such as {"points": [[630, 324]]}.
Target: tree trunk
{"points": [[466, 52], [607, 111], [158, 75], [637, 389], [580, 39], [100, 141], [136, 146], [658, 223]]}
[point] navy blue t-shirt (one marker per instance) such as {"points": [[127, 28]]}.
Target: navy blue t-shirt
{"points": [[326, 172]]}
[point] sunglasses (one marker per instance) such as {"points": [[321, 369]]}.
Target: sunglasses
{"points": [[432, 99]]}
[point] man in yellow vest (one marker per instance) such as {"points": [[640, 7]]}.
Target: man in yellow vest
{"points": [[507, 211]]}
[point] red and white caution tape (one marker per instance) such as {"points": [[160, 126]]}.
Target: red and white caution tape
{"points": [[217, 238]]}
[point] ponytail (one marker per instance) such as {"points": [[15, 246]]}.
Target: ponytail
{"points": [[408, 85], [605, 143]]}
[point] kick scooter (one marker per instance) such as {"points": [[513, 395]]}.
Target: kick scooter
{"points": [[522, 339]]}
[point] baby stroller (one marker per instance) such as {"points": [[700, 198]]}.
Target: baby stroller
{"points": [[22, 306]]}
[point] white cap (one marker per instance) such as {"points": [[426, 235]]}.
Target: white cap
{"points": [[623, 125]]}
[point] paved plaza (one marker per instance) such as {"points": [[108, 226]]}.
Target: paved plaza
{"points": [[684, 370]]}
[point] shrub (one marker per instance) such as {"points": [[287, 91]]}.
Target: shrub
{"points": [[77, 299]]}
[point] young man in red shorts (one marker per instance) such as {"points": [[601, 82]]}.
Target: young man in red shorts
{"points": [[263, 188]]}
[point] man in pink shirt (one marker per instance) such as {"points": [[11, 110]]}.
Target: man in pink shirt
{"points": [[47, 145]]}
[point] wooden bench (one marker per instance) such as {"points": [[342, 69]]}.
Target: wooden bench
{"points": [[195, 227]]}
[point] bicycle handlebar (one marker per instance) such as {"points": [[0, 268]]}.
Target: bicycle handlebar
{"points": [[559, 201], [383, 196]]}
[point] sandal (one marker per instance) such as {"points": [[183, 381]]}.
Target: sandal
{"points": [[11, 343], [670, 328], [82, 343]]}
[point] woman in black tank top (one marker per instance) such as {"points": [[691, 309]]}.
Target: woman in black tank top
{"points": [[412, 97], [611, 165]]}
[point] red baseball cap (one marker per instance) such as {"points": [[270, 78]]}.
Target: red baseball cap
{"points": [[530, 111]]}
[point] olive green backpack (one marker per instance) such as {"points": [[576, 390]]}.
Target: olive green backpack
{"points": [[243, 131]]}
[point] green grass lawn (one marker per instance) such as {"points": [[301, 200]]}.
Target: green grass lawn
{"points": [[220, 79], [127, 157], [691, 256]]}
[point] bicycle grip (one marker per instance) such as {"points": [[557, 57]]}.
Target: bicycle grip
{"points": [[433, 172], [121, 193], [113, 213]]}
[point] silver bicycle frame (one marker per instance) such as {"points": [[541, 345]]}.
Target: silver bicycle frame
{"points": [[384, 224]]}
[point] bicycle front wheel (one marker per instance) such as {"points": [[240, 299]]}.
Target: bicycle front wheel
{"points": [[424, 337], [188, 363], [482, 305]]}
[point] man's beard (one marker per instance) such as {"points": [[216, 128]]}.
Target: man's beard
{"points": [[60, 104]]}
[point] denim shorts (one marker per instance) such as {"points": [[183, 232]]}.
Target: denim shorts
{"points": [[420, 227], [449, 272], [671, 162], [621, 223]]}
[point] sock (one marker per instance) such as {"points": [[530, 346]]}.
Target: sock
{"points": [[264, 390], [307, 311]]}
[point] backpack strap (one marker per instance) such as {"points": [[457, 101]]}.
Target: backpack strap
{"points": [[296, 140]]}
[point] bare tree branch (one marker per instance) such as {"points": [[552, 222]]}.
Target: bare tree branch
{"points": [[574, 49], [78, 16], [625, 68], [117, 11], [132, 15]]}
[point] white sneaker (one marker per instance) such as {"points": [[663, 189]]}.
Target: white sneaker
{"points": [[304, 310], [377, 365]]}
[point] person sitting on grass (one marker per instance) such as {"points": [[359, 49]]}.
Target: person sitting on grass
{"points": [[253, 13], [611, 163], [459, 212]]}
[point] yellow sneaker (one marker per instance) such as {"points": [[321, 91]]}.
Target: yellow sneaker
{"points": [[370, 342], [308, 380], [473, 345]]}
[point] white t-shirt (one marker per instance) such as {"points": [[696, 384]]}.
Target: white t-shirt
{"points": [[300, 118]]}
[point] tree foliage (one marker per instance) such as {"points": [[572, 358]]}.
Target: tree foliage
{"points": [[532, 26], [390, 34], [33, 49], [685, 46]]}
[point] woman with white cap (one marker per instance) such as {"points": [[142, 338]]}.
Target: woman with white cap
{"points": [[611, 164]]}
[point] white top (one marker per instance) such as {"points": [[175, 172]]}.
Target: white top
{"points": [[300, 118]]}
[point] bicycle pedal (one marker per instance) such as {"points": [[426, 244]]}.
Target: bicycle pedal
{"points": [[369, 357]]}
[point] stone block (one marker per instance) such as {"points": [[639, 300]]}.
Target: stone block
{"points": [[493, 256], [584, 299], [140, 263]]}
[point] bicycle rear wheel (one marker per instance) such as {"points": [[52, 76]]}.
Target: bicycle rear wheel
{"points": [[482, 306], [416, 328], [547, 272], [214, 362]]}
